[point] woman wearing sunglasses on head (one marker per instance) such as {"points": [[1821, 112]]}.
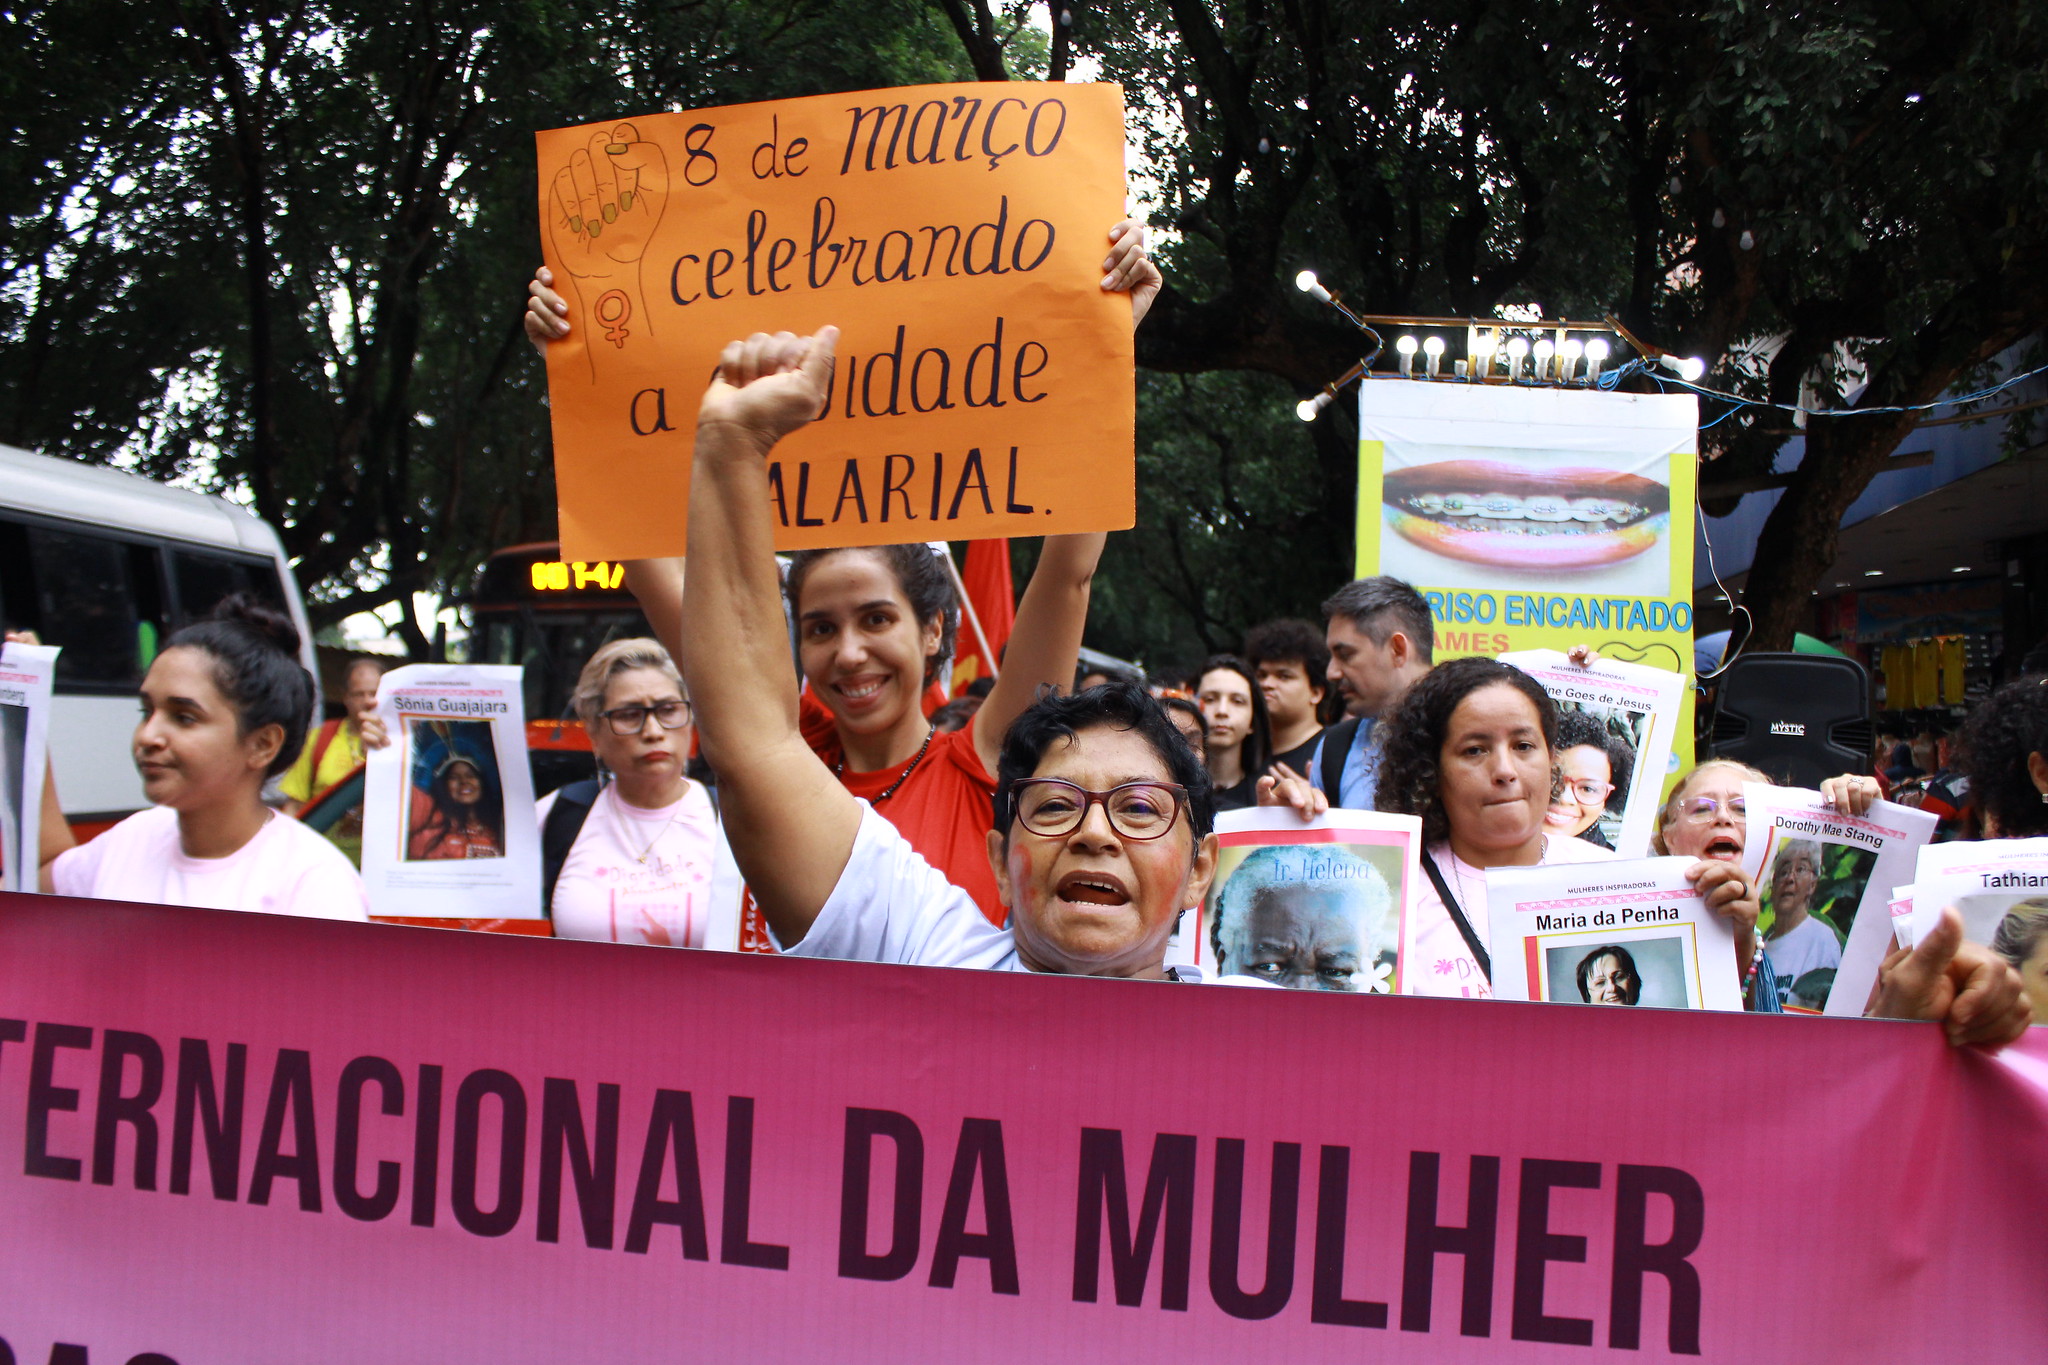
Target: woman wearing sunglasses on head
{"points": [[627, 857]]}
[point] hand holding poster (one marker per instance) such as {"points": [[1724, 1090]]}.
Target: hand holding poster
{"points": [[1634, 932], [26, 672], [2000, 886], [448, 820], [1614, 751], [1817, 870], [956, 234], [1310, 906]]}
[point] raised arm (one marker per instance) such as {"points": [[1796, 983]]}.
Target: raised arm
{"points": [[657, 585], [1045, 642], [790, 823], [55, 836]]}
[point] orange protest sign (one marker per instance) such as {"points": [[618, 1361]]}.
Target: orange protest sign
{"points": [[954, 233]]}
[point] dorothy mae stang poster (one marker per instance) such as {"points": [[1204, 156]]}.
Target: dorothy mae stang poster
{"points": [[1820, 873], [1316, 906], [448, 820], [25, 675], [1616, 723], [1613, 933]]}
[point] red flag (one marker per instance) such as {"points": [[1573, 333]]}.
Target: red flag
{"points": [[987, 614]]}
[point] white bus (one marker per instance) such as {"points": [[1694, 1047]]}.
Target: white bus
{"points": [[107, 565]]}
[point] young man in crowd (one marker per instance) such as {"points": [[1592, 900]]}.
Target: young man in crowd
{"points": [[1290, 662], [1381, 639]]}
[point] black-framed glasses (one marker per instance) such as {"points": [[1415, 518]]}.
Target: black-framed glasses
{"points": [[1052, 808], [630, 720]]}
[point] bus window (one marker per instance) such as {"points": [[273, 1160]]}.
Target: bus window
{"points": [[86, 601], [202, 580]]}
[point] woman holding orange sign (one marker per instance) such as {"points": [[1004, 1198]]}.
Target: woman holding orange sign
{"points": [[875, 625]]}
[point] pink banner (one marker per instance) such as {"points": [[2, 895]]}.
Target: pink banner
{"points": [[230, 1138]]}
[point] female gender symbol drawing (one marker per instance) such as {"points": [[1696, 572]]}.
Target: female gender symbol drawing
{"points": [[605, 206]]}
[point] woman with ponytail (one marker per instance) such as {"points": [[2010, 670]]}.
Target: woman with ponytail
{"points": [[225, 708]]}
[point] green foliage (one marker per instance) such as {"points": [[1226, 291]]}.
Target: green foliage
{"points": [[283, 249]]}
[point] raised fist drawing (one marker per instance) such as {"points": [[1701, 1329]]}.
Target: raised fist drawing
{"points": [[605, 205]]}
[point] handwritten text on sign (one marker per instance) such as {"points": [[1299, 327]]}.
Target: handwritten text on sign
{"points": [[954, 233]]}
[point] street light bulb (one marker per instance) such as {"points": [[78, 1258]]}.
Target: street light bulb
{"points": [[1517, 347], [1597, 351], [1305, 281], [1405, 345], [1433, 346], [1691, 368], [1570, 348], [1306, 409]]}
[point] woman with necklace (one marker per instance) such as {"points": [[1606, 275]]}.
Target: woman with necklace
{"points": [[636, 848], [1471, 749], [876, 624]]}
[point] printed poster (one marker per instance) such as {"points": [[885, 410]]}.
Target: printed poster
{"points": [[2001, 888], [1634, 932], [1316, 906], [954, 233], [1817, 870], [1535, 518], [449, 830], [1617, 723], [26, 674]]}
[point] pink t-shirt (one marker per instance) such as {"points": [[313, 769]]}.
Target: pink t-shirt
{"points": [[286, 869], [1435, 959], [638, 876]]}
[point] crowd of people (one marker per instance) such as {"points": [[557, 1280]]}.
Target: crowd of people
{"points": [[1046, 823]]}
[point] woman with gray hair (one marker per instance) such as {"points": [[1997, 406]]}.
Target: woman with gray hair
{"points": [[627, 857]]}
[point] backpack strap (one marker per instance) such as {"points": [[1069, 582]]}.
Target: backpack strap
{"points": [[558, 835], [1443, 891], [328, 730], [1337, 742]]}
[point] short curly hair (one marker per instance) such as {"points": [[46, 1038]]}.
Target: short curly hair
{"points": [[1999, 735], [1582, 728], [1412, 739]]}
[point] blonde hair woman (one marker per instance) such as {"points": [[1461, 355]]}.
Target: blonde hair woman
{"points": [[626, 858]]}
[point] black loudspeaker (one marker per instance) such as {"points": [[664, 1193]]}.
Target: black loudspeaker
{"points": [[1802, 718]]}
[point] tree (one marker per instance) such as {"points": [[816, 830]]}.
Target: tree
{"points": [[1789, 195], [289, 256]]}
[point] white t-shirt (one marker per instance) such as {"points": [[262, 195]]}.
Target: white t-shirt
{"points": [[638, 876], [286, 869], [1808, 946], [890, 905], [1434, 958]]}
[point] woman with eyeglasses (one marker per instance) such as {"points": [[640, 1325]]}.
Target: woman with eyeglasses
{"points": [[1704, 818], [1595, 763], [627, 858]]}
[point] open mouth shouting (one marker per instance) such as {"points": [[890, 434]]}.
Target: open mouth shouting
{"points": [[1093, 888], [1722, 848], [1488, 512]]}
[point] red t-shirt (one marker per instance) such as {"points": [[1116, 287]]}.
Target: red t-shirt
{"points": [[945, 809]]}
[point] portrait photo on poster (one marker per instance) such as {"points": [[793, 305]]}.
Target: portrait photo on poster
{"points": [[1602, 754], [1496, 517], [13, 784], [1808, 899], [457, 803], [1642, 971], [1320, 917], [1316, 906]]}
